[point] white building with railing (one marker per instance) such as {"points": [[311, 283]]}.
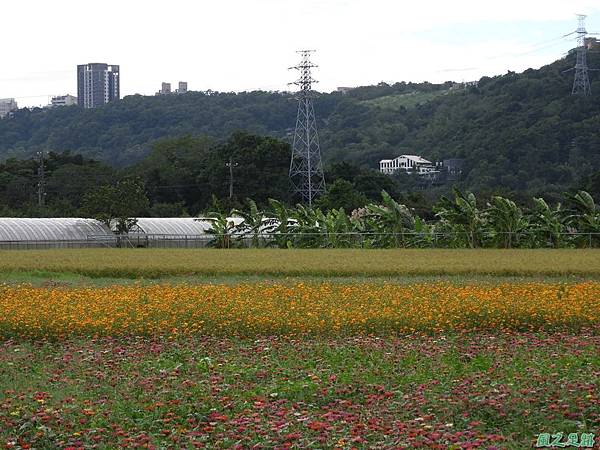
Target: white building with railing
{"points": [[408, 163]]}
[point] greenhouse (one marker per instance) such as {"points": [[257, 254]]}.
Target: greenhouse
{"points": [[171, 232], [20, 233]]}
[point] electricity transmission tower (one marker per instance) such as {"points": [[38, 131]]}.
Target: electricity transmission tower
{"points": [[306, 167], [581, 84]]}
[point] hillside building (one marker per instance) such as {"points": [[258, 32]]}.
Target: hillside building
{"points": [[409, 164], [183, 88], [63, 100], [592, 43], [7, 105], [166, 88], [97, 84]]}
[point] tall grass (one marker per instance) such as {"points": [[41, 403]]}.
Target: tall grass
{"points": [[155, 263]]}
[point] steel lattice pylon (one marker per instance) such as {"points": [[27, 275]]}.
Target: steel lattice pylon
{"points": [[306, 167], [581, 84]]}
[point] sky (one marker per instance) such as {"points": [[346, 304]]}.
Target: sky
{"points": [[243, 45]]}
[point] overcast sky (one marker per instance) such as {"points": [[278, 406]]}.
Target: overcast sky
{"points": [[237, 45]]}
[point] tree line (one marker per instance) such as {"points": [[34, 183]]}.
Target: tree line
{"points": [[460, 222], [179, 178]]}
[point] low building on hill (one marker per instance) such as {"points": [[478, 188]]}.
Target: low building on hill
{"points": [[166, 89], [7, 105], [453, 168], [592, 43], [409, 164], [344, 89], [63, 100], [448, 170]]}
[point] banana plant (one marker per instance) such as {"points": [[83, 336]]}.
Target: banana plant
{"points": [[391, 221], [547, 225], [336, 228], [584, 216], [308, 226], [253, 222], [280, 223], [506, 222], [462, 218], [423, 234], [222, 229]]}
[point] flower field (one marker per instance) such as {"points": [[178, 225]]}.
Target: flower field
{"points": [[463, 391], [343, 364], [266, 309]]}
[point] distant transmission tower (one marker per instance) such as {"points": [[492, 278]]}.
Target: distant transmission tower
{"points": [[306, 168], [581, 85]]}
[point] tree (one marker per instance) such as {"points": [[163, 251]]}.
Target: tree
{"points": [[341, 194], [262, 166], [117, 205]]}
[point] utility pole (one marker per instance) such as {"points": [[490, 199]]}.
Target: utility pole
{"points": [[306, 167], [581, 84], [41, 179], [231, 165]]}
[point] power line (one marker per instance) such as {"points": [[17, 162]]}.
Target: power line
{"points": [[535, 48]]}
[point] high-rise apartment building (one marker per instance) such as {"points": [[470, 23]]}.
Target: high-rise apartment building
{"points": [[97, 84]]}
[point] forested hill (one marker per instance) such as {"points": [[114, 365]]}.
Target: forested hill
{"points": [[521, 132]]}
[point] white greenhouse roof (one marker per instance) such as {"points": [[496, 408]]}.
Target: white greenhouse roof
{"points": [[182, 226], [63, 229]]}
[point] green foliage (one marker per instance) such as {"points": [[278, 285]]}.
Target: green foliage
{"points": [[506, 220], [462, 217], [117, 205], [460, 223], [253, 222], [68, 179], [342, 194]]}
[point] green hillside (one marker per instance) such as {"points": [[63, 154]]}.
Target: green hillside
{"points": [[408, 100], [517, 132]]}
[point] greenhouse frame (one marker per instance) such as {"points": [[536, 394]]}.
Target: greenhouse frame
{"points": [[23, 233]]}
